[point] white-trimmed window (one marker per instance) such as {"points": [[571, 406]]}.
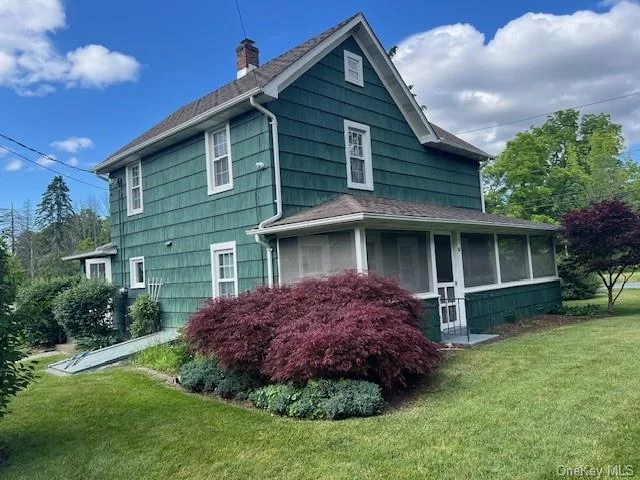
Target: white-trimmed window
{"points": [[218, 154], [136, 272], [353, 68], [357, 140], [98, 269], [224, 269], [134, 188]]}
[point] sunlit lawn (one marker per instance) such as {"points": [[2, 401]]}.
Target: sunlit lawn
{"points": [[519, 408]]}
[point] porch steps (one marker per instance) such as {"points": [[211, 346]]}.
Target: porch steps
{"points": [[86, 361]]}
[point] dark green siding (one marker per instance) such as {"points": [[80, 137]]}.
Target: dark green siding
{"points": [[430, 326], [310, 115], [177, 208], [495, 307]]}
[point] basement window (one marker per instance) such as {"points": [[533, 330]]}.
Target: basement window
{"points": [[353, 68], [218, 154]]}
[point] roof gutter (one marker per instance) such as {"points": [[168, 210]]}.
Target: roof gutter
{"points": [[356, 217], [258, 236], [103, 166]]}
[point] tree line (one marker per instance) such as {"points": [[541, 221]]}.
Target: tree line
{"points": [[38, 238]]}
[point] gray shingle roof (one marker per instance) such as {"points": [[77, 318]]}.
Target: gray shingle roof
{"points": [[258, 78], [354, 204]]}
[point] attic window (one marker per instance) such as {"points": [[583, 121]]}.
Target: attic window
{"points": [[353, 68]]}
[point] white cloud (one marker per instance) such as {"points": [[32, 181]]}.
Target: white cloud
{"points": [[534, 64], [31, 65], [46, 161], [14, 165], [73, 161], [72, 144]]}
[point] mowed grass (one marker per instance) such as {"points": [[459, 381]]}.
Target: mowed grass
{"points": [[520, 408]]}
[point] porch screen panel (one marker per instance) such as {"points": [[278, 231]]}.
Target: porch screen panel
{"points": [[478, 259], [542, 256], [514, 261], [316, 255], [401, 255]]}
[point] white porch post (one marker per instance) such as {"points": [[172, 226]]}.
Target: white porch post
{"points": [[361, 250]]}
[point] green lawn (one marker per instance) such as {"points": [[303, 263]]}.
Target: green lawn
{"points": [[513, 409]]}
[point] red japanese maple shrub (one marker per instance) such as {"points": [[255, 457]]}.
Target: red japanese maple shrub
{"points": [[238, 330], [344, 326]]}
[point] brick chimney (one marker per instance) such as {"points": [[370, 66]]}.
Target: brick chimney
{"points": [[246, 57]]}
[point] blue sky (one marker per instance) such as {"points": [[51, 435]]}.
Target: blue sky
{"points": [[165, 54]]}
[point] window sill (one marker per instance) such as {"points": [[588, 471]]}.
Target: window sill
{"points": [[137, 287], [359, 186], [521, 283], [131, 213], [224, 188]]}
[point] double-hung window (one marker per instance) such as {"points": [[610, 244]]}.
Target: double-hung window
{"points": [[136, 272], [218, 153], [98, 269], [134, 189], [357, 139], [224, 269], [353, 68]]}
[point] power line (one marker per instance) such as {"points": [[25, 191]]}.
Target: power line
{"points": [[241, 21], [48, 157], [532, 117], [50, 169]]}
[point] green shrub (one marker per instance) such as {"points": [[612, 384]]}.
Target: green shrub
{"points": [[167, 358], [145, 312], [204, 374], [236, 385], [34, 311], [85, 309], [200, 375], [576, 283], [587, 310], [321, 399]]}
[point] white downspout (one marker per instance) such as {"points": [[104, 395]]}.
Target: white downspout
{"points": [[276, 165]]}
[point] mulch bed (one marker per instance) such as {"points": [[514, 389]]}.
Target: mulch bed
{"points": [[535, 324]]}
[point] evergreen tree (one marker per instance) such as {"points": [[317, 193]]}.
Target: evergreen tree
{"points": [[54, 215]]}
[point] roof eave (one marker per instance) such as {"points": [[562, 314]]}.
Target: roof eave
{"points": [[107, 165], [358, 217], [447, 146]]}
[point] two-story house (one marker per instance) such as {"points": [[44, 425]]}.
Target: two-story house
{"points": [[318, 161]]}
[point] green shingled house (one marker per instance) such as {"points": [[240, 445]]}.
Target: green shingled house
{"points": [[317, 161]]}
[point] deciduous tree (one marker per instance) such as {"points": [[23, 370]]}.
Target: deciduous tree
{"points": [[605, 238]]}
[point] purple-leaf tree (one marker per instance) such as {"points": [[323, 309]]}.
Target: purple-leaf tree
{"points": [[605, 238]]}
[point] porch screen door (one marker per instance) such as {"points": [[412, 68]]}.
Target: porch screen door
{"points": [[445, 281]]}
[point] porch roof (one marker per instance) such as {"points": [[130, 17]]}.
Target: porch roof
{"points": [[106, 250], [355, 208]]}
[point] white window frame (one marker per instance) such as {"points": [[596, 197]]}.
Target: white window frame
{"points": [[133, 283], [357, 58], [217, 249], [130, 187], [366, 150], [212, 188], [106, 261]]}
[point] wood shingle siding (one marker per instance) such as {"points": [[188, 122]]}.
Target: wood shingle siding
{"points": [[177, 208], [310, 115]]}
